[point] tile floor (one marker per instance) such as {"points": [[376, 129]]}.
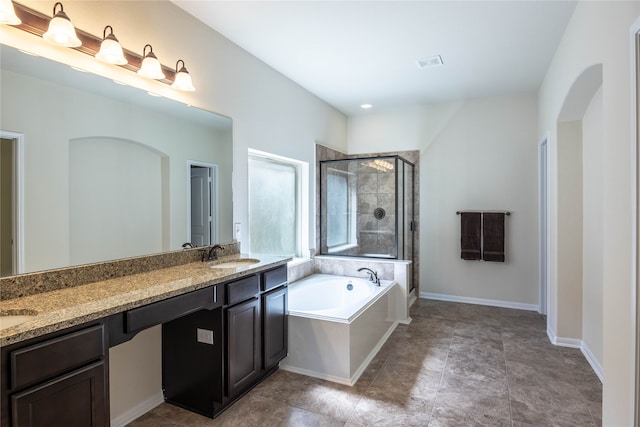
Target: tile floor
{"points": [[454, 365]]}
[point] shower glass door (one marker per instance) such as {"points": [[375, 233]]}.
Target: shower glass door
{"points": [[365, 210]]}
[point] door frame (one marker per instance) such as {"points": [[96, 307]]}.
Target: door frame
{"points": [[215, 207], [635, 185], [18, 198], [543, 223]]}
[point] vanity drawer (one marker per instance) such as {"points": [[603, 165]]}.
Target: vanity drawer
{"points": [[38, 362], [274, 278], [242, 289], [159, 312]]}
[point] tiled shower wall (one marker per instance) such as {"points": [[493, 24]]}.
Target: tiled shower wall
{"points": [[376, 189], [326, 153]]}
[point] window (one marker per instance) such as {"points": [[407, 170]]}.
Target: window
{"points": [[340, 205], [278, 203]]}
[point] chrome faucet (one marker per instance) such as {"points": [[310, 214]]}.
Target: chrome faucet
{"points": [[211, 255], [373, 276]]}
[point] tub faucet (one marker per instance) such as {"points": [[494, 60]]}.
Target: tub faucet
{"points": [[373, 276], [211, 255]]}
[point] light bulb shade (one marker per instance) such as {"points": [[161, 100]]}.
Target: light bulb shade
{"points": [[111, 51], [182, 80], [151, 67], [8, 13], [61, 30]]}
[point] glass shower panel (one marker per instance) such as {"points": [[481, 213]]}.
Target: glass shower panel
{"points": [[363, 207], [377, 208], [401, 208], [408, 217]]}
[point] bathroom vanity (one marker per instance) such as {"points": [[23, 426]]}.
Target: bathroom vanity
{"points": [[227, 350], [224, 330]]}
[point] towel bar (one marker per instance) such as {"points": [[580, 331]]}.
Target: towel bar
{"points": [[507, 213]]}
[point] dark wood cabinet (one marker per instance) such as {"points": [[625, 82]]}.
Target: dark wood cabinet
{"points": [[218, 342], [247, 337], [244, 361], [73, 400], [275, 326], [57, 379]]}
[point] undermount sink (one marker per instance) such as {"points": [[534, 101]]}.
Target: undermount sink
{"points": [[238, 263], [11, 318]]}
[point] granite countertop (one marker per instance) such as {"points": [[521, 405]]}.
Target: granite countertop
{"points": [[63, 308]]}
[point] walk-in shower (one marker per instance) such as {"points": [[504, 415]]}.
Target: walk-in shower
{"points": [[367, 207]]}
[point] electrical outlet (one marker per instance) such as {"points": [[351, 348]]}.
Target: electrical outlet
{"points": [[204, 336], [237, 231]]}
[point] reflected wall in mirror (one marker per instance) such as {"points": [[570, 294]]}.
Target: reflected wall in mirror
{"points": [[105, 167]]}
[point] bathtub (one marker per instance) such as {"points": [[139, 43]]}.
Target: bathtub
{"points": [[337, 324]]}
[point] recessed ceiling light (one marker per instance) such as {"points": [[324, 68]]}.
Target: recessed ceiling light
{"points": [[366, 106], [432, 61]]}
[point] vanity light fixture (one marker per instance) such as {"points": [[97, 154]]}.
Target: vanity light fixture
{"points": [[8, 13], [150, 67], [110, 49], [182, 80], [61, 30]]}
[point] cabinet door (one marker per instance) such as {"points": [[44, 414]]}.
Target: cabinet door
{"points": [[243, 346], [77, 399], [275, 326]]}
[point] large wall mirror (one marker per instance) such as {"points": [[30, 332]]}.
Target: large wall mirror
{"points": [[92, 170]]}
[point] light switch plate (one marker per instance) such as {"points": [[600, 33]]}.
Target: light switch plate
{"points": [[236, 231], [205, 336]]}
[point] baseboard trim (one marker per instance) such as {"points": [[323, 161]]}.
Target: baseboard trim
{"points": [[406, 321], [593, 361], [412, 298], [584, 348], [480, 301], [562, 341], [137, 411]]}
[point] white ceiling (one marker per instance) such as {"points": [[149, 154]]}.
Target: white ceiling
{"points": [[354, 52]]}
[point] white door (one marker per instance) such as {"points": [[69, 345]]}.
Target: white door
{"points": [[200, 206]]}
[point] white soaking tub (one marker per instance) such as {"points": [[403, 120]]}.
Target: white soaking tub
{"points": [[337, 324]]}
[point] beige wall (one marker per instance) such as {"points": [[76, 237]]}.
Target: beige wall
{"points": [[115, 199], [477, 154], [569, 293], [592, 252], [598, 33], [135, 373]]}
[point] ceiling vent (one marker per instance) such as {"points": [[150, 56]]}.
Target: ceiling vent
{"points": [[432, 61]]}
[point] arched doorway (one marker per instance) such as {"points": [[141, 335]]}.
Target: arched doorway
{"points": [[578, 317]]}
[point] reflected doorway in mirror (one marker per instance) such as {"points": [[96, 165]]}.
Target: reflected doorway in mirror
{"points": [[11, 203], [202, 203]]}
